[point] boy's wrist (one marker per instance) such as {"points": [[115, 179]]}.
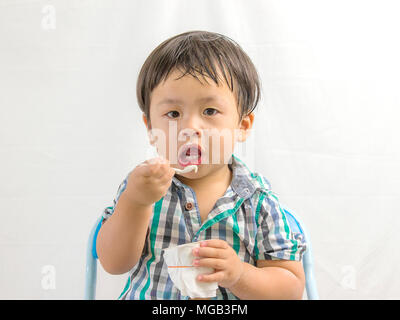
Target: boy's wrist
{"points": [[134, 205], [236, 285]]}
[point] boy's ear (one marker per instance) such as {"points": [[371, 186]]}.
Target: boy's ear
{"points": [[245, 127]]}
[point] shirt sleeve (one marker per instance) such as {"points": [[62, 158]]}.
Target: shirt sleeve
{"points": [[108, 211], [275, 240]]}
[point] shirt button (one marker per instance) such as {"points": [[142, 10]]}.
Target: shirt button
{"points": [[189, 206]]}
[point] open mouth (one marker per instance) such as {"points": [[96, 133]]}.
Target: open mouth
{"points": [[190, 154]]}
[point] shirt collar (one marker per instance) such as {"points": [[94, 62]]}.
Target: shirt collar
{"points": [[244, 182]]}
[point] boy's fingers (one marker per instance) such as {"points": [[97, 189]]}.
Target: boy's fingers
{"points": [[153, 160], [172, 172], [215, 243], [155, 167], [210, 252], [166, 177], [212, 277], [218, 264], [143, 168], [148, 170], [163, 171]]}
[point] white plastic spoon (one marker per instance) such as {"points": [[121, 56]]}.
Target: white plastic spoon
{"points": [[152, 153], [187, 169]]}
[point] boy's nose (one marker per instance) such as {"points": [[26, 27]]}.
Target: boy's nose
{"points": [[190, 132], [190, 128]]}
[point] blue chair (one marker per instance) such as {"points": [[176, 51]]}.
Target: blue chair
{"points": [[91, 262], [308, 260], [295, 224]]}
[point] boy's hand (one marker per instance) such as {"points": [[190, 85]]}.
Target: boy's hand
{"points": [[218, 254], [149, 181]]}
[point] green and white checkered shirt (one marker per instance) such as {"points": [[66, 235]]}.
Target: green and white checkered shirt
{"points": [[248, 217]]}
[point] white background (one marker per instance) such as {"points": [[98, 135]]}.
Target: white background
{"points": [[71, 129]]}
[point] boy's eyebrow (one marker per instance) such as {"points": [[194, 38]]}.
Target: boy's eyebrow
{"points": [[177, 101]]}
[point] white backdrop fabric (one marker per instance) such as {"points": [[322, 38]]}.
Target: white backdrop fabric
{"points": [[71, 129]]}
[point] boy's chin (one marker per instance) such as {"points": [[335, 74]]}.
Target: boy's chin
{"points": [[188, 175]]}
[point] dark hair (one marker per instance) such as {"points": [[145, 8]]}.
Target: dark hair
{"points": [[199, 52]]}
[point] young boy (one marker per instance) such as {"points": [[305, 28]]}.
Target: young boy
{"points": [[243, 232]]}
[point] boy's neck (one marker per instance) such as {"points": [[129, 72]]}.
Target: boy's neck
{"points": [[220, 178]]}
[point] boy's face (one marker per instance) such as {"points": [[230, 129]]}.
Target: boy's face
{"points": [[187, 112]]}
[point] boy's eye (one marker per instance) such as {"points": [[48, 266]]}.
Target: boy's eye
{"points": [[173, 114], [208, 113]]}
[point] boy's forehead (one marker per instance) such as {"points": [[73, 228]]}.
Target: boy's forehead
{"points": [[176, 85]]}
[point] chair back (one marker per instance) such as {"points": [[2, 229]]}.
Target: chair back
{"points": [[308, 260], [91, 262]]}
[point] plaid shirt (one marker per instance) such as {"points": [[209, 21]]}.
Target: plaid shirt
{"points": [[248, 217]]}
